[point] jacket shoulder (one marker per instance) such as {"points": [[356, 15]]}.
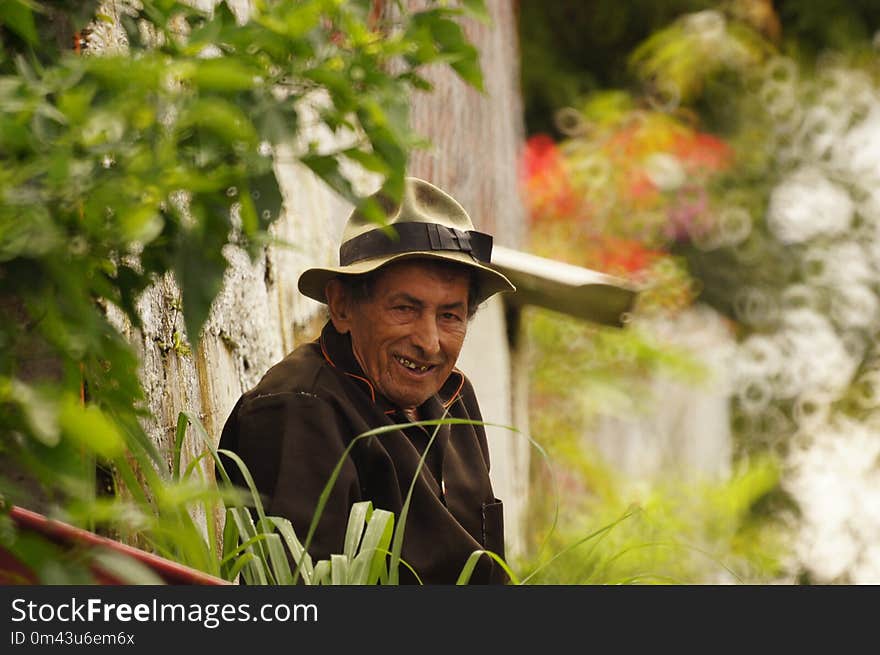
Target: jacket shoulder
{"points": [[303, 371]]}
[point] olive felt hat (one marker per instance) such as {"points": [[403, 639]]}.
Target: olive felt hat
{"points": [[427, 223]]}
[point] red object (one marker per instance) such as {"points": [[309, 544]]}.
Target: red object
{"points": [[548, 190], [14, 571], [703, 152], [626, 256]]}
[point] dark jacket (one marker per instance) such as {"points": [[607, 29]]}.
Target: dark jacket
{"points": [[293, 427]]}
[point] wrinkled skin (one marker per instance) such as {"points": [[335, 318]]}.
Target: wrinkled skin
{"points": [[408, 334]]}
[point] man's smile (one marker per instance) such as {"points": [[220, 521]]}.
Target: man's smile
{"points": [[413, 366]]}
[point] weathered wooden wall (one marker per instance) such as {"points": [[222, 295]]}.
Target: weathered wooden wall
{"points": [[477, 137]]}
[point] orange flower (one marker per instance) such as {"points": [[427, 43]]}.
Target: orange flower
{"points": [[626, 256], [700, 151], [548, 190]]}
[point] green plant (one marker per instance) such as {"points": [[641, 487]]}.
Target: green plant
{"points": [[118, 167], [677, 532], [261, 549]]}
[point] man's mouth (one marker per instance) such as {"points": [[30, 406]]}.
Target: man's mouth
{"points": [[415, 367]]}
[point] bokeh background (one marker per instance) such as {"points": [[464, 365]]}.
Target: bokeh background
{"points": [[726, 157]]}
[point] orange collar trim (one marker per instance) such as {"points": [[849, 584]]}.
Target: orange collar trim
{"points": [[365, 381], [454, 396], [324, 352], [351, 375]]}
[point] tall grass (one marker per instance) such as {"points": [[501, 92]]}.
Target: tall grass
{"points": [[677, 532], [178, 515]]}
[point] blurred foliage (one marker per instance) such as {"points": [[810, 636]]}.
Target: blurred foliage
{"points": [[151, 156], [579, 371], [573, 47], [671, 533], [616, 530], [772, 220], [811, 28]]}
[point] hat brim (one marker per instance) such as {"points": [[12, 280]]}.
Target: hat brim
{"points": [[313, 281]]}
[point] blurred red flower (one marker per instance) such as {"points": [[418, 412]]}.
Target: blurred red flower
{"points": [[548, 190], [626, 256], [700, 151]]}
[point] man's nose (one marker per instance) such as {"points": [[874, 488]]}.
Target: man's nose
{"points": [[426, 336]]}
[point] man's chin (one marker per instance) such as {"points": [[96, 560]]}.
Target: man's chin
{"points": [[409, 401], [409, 404]]}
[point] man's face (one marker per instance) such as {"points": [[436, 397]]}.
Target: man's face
{"points": [[408, 335]]}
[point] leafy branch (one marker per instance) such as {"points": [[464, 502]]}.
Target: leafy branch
{"points": [[121, 166]]}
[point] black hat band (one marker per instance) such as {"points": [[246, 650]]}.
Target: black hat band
{"points": [[415, 237]]}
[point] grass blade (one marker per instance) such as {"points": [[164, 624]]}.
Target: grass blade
{"points": [[300, 556], [357, 517], [322, 572], [469, 566], [180, 433], [338, 569], [377, 540], [278, 559], [590, 536]]}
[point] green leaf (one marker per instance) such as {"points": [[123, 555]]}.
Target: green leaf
{"points": [[199, 272], [357, 517], [223, 118], [322, 573], [368, 160], [477, 9], [179, 435], [280, 566], [302, 559], [27, 231], [266, 195], [465, 59], [468, 568], [90, 427], [39, 407], [468, 68], [255, 572], [250, 222], [142, 224], [417, 81], [375, 544], [231, 537], [327, 168], [337, 83], [225, 74], [338, 569], [18, 16], [301, 18], [454, 46], [275, 125]]}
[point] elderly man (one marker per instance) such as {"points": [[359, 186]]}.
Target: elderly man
{"points": [[399, 309]]}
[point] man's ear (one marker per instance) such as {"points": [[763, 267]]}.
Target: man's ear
{"points": [[338, 302]]}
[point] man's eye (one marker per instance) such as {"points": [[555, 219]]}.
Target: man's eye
{"points": [[449, 316], [404, 308]]}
